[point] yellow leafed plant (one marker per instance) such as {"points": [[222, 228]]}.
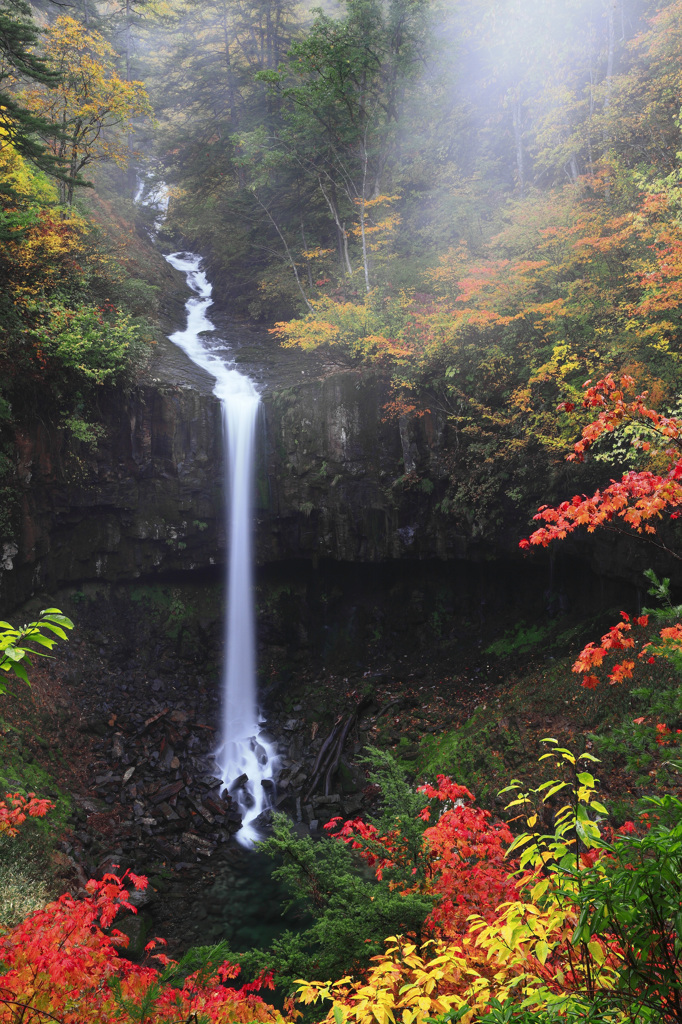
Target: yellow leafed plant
{"points": [[409, 985]]}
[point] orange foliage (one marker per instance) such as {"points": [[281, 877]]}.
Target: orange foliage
{"points": [[637, 497], [15, 808], [633, 501], [463, 857], [61, 963]]}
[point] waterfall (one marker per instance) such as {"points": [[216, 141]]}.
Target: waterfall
{"points": [[243, 750]]}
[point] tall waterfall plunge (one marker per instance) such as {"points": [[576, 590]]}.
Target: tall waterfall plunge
{"points": [[243, 749]]}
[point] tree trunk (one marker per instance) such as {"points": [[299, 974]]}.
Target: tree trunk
{"points": [[307, 262], [572, 168], [128, 38], [268, 38], [365, 263], [610, 17], [517, 121], [610, 52], [73, 171], [290, 259], [341, 228], [231, 89]]}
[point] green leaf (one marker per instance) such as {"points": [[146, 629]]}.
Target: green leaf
{"points": [[44, 641], [520, 841], [56, 629], [588, 832], [20, 671], [597, 952], [14, 653], [514, 784], [539, 889], [542, 951], [555, 789], [61, 620]]}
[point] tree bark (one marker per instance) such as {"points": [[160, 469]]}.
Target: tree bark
{"points": [[341, 228], [365, 263], [287, 250], [231, 89], [517, 121]]}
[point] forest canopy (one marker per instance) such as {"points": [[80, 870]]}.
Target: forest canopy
{"points": [[476, 202]]}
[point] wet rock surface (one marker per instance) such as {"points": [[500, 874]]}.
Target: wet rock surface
{"points": [[133, 721], [147, 790], [128, 712], [336, 479], [135, 756], [331, 483]]}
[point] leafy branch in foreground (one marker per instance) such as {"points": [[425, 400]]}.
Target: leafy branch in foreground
{"points": [[632, 505], [18, 646]]}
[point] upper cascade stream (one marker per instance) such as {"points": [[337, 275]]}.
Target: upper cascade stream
{"points": [[243, 749]]}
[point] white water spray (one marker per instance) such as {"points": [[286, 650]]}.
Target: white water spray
{"points": [[243, 749], [155, 196]]}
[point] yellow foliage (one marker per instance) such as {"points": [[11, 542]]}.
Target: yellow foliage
{"points": [[527, 953], [377, 201], [39, 242], [355, 329], [404, 984], [307, 334], [23, 179], [314, 254], [93, 104]]}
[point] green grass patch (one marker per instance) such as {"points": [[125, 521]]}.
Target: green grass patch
{"points": [[26, 860], [501, 739], [24, 885]]}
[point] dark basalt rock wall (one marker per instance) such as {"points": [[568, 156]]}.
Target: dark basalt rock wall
{"points": [[147, 500], [335, 481]]}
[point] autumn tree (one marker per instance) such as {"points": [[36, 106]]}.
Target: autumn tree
{"points": [[19, 64], [92, 105], [640, 504]]}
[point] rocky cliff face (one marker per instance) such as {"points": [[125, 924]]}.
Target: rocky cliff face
{"points": [[148, 500], [336, 481], [333, 481]]}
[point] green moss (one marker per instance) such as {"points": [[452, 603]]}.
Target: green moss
{"points": [[521, 639], [26, 860], [477, 755], [20, 773], [22, 890]]}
